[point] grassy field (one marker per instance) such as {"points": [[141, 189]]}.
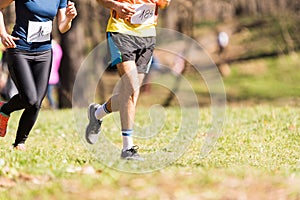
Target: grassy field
{"points": [[257, 157], [269, 80]]}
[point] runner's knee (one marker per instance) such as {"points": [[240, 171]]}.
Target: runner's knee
{"points": [[31, 101]]}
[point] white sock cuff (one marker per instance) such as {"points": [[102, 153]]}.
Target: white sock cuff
{"points": [[101, 112]]}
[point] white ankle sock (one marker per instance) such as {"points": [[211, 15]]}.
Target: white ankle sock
{"points": [[127, 139], [101, 112]]}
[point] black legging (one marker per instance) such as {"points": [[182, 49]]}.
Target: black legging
{"points": [[30, 72]]}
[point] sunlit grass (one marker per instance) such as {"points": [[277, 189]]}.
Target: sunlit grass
{"points": [[264, 79], [259, 149]]}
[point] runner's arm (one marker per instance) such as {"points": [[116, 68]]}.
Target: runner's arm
{"points": [[124, 10], [6, 39], [2, 25], [65, 17]]}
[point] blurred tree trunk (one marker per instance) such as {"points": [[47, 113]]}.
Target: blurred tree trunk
{"points": [[87, 31], [72, 44], [183, 22]]}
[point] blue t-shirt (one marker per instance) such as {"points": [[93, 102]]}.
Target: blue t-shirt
{"points": [[34, 11]]}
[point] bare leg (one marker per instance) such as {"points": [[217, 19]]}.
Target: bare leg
{"points": [[112, 104], [125, 101]]}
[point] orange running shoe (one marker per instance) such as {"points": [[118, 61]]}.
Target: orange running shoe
{"points": [[3, 122]]}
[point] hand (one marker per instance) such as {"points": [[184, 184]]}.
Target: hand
{"points": [[8, 41], [125, 10], [71, 11]]}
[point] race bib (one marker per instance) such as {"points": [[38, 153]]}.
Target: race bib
{"points": [[39, 31], [145, 14]]}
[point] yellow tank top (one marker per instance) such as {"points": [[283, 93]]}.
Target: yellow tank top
{"points": [[117, 24]]}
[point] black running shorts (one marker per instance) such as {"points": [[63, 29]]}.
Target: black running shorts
{"points": [[122, 47]]}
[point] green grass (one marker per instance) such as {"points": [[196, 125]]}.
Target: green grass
{"points": [[256, 157], [264, 79], [272, 80]]}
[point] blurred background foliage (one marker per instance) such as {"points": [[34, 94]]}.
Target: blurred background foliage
{"points": [[261, 32]]}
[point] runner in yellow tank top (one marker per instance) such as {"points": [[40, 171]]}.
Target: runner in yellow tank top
{"points": [[131, 41], [122, 25]]}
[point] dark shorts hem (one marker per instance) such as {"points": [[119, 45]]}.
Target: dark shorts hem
{"points": [[123, 47]]}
